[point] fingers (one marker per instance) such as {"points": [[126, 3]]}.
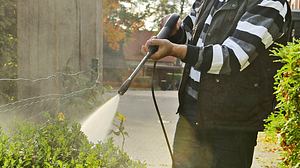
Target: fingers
{"points": [[156, 56], [149, 42], [164, 47], [145, 48], [154, 42]]}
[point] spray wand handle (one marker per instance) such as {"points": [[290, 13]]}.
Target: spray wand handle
{"points": [[127, 83], [163, 34], [166, 30]]}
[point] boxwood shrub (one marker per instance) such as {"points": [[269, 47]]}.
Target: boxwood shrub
{"points": [[57, 143], [285, 122]]}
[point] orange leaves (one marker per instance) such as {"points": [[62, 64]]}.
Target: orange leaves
{"points": [[112, 31], [120, 18], [137, 25], [113, 35], [109, 5]]}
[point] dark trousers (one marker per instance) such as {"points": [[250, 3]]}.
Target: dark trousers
{"points": [[203, 148]]}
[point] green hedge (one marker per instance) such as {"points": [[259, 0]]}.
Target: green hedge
{"points": [[56, 143], [286, 120]]}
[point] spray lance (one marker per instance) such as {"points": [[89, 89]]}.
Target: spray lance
{"points": [[164, 33]]}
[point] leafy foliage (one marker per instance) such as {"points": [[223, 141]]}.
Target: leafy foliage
{"points": [[159, 9], [120, 129], [8, 52], [55, 143], [122, 17], [286, 120]]}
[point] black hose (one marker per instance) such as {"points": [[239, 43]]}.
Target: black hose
{"points": [[158, 112]]}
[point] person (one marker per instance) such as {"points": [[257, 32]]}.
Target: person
{"points": [[226, 87]]}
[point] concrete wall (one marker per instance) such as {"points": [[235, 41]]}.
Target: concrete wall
{"points": [[52, 35]]}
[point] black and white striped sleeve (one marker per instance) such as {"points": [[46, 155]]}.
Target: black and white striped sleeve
{"points": [[185, 32], [256, 31]]}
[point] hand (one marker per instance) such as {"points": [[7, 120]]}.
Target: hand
{"points": [[165, 48]]}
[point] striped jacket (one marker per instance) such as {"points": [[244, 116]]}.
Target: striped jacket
{"points": [[230, 49]]}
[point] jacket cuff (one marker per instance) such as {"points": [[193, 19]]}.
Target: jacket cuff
{"points": [[192, 54], [179, 37]]}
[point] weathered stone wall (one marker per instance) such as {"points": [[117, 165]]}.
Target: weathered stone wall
{"points": [[52, 35]]}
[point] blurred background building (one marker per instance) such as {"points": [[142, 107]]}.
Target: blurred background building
{"points": [[295, 4]]}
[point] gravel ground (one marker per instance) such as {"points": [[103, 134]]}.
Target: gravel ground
{"points": [[266, 153]]}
